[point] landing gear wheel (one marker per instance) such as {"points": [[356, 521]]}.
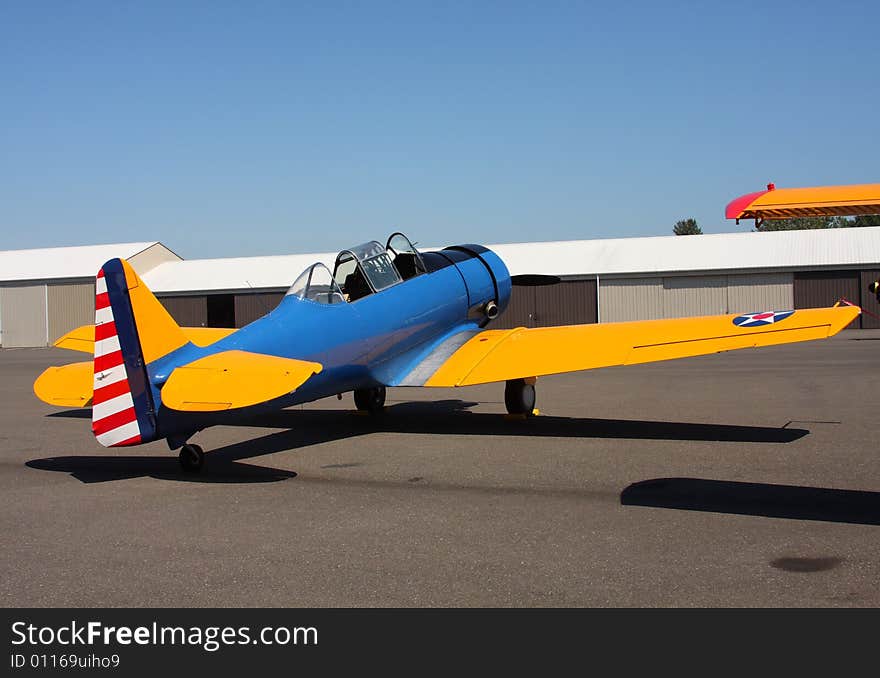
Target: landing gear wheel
{"points": [[192, 458], [519, 397], [370, 400]]}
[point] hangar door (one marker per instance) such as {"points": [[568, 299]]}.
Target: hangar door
{"points": [[249, 307], [188, 311], [820, 289], [571, 302], [23, 316], [70, 306], [694, 295], [754, 292], [624, 299], [220, 310]]}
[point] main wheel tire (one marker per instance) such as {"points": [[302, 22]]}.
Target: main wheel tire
{"points": [[519, 397], [191, 458], [370, 400]]}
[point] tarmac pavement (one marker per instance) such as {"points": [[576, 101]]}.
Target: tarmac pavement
{"points": [[750, 478]]}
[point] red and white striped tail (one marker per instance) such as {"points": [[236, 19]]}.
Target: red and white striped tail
{"points": [[114, 421]]}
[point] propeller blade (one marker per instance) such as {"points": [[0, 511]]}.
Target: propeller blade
{"points": [[534, 280]]}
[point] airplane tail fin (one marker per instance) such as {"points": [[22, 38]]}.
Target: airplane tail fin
{"points": [[132, 329]]}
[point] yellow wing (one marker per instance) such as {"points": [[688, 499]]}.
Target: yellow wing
{"points": [[233, 379], [499, 355], [223, 381], [66, 386], [80, 339], [83, 338]]}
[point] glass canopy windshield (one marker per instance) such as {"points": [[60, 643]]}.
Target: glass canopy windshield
{"points": [[365, 269], [316, 284], [407, 259]]}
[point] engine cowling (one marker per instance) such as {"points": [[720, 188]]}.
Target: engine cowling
{"points": [[486, 278]]}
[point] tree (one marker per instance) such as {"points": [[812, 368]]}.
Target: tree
{"points": [[687, 227], [866, 220], [796, 224], [803, 223]]}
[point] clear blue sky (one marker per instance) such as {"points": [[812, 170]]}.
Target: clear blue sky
{"points": [[239, 128]]}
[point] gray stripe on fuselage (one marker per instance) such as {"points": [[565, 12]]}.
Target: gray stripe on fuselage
{"points": [[432, 362]]}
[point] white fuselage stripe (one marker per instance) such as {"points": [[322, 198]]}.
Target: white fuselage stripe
{"points": [[100, 285]]}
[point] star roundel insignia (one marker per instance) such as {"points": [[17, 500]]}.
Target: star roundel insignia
{"points": [[762, 318]]}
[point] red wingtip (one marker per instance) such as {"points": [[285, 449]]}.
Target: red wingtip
{"points": [[736, 207]]}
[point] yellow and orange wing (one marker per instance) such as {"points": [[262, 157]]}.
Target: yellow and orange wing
{"points": [[499, 355]]}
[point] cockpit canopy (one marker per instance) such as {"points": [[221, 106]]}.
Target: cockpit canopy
{"points": [[407, 259], [317, 284], [365, 269], [360, 271]]}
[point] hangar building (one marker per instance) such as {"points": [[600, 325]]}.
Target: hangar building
{"points": [[678, 276], [44, 293], [602, 280]]}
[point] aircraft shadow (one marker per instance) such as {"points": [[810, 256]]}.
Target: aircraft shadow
{"points": [[81, 413], [756, 499], [304, 428], [93, 469], [454, 417]]}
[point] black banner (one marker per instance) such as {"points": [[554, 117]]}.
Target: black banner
{"points": [[139, 641]]}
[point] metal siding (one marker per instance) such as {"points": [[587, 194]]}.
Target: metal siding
{"points": [[760, 292], [869, 301], [631, 299], [685, 296], [190, 311], [23, 310], [70, 306], [519, 310], [571, 302], [250, 307], [823, 289]]}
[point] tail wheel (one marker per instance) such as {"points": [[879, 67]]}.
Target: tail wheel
{"points": [[519, 397], [192, 458], [370, 400]]}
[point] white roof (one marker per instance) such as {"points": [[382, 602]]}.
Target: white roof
{"points": [[839, 247], [237, 273], [684, 253], [56, 263], [821, 248]]}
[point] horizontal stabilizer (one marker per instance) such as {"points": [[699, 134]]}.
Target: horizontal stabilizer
{"points": [[83, 338], [67, 386], [233, 379]]}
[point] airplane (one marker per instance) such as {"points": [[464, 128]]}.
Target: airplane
{"points": [[386, 316]]}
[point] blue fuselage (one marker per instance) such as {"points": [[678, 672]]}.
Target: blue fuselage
{"points": [[376, 340]]}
